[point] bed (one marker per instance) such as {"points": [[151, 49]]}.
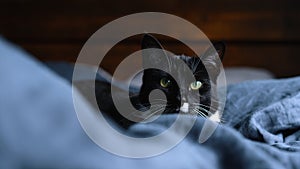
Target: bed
{"points": [[39, 127]]}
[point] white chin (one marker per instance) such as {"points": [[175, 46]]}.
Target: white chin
{"points": [[184, 108]]}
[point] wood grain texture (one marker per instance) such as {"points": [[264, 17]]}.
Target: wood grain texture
{"points": [[262, 34]]}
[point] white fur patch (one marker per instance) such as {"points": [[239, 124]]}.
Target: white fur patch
{"points": [[184, 108], [215, 117]]}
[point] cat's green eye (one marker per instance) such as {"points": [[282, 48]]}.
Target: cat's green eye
{"points": [[165, 82], [196, 85]]}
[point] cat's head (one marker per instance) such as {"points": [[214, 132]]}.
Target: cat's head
{"points": [[180, 95]]}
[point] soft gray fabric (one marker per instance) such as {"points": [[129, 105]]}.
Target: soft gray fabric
{"points": [[39, 128], [268, 112]]}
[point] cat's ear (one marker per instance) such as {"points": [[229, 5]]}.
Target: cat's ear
{"points": [[150, 41], [214, 52], [152, 56], [213, 56], [220, 49]]}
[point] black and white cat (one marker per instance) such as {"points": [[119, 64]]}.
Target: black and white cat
{"points": [[183, 95], [195, 97]]}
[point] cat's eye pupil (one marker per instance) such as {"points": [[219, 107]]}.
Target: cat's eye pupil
{"points": [[196, 85], [165, 82]]}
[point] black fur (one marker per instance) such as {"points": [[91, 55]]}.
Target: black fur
{"points": [[151, 80], [152, 77]]}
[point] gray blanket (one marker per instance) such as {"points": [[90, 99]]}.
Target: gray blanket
{"points": [[39, 128]]}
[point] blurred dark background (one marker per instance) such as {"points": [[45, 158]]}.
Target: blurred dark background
{"points": [[263, 34]]}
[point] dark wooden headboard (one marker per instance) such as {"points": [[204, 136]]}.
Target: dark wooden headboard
{"points": [[262, 34]]}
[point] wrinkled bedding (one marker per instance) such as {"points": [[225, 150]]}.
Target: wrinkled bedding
{"points": [[39, 127]]}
